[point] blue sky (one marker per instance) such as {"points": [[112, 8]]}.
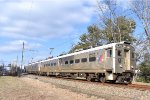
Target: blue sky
{"points": [[43, 24]]}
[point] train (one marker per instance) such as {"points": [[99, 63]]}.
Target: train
{"points": [[114, 62]]}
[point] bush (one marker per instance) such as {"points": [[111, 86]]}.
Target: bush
{"points": [[145, 71]]}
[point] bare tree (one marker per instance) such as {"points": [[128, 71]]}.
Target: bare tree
{"points": [[140, 47], [141, 8]]}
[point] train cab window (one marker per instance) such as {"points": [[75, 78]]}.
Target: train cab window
{"points": [[66, 62], [77, 61], [91, 59], [119, 52], [71, 61], [84, 60], [109, 53]]}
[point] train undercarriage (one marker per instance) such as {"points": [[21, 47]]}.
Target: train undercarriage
{"points": [[124, 78]]}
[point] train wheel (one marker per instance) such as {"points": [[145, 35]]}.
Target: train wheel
{"points": [[89, 78], [129, 80], [102, 79], [119, 79]]}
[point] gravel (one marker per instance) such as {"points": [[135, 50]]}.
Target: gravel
{"points": [[99, 91]]}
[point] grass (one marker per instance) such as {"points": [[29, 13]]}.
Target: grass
{"points": [[13, 88]]}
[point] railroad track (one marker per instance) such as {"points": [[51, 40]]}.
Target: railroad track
{"points": [[139, 86], [131, 86]]}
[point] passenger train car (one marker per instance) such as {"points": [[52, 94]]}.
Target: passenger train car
{"points": [[112, 62]]}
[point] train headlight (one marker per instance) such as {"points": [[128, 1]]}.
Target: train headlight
{"points": [[120, 66]]}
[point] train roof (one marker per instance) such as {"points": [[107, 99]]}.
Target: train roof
{"points": [[84, 51]]}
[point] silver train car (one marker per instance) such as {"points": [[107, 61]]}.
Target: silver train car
{"points": [[113, 62]]}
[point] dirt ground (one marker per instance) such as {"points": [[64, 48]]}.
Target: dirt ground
{"points": [[14, 88]]}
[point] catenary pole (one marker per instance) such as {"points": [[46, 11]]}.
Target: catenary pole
{"points": [[22, 61]]}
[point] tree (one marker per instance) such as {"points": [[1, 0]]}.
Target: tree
{"points": [[1, 67], [145, 70], [117, 27], [96, 36], [145, 67], [147, 57], [126, 27], [93, 38], [141, 8]]}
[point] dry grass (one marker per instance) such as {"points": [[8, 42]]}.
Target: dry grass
{"points": [[13, 88]]}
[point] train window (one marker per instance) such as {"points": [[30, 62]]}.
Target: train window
{"points": [[91, 59], [119, 52], [51, 64], [54, 64], [84, 60], [66, 62], [109, 53], [71, 61], [77, 61]]}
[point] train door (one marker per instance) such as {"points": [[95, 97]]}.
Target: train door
{"points": [[109, 59], [127, 58], [132, 57]]}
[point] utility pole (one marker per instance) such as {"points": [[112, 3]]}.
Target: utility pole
{"points": [[22, 61], [16, 63]]}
